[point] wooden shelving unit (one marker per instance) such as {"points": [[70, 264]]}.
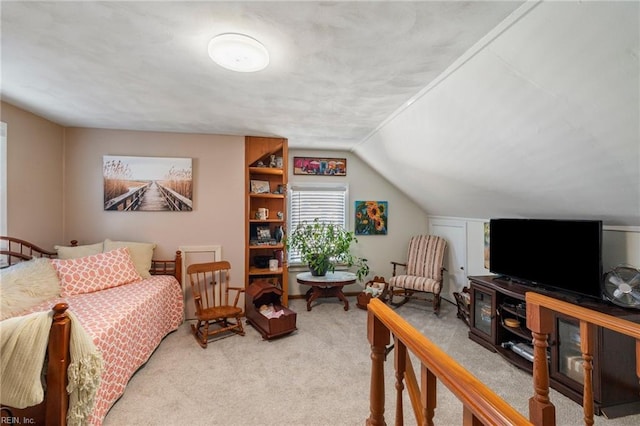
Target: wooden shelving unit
{"points": [[260, 155]]}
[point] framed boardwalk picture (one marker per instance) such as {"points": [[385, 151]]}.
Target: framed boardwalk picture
{"points": [[147, 183], [371, 217], [319, 166]]}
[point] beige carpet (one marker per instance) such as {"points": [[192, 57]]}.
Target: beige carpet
{"points": [[318, 375]]}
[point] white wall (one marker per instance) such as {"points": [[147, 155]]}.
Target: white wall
{"points": [[539, 119], [620, 245]]}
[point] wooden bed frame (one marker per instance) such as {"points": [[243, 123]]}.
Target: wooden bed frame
{"points": [[53, 409]]}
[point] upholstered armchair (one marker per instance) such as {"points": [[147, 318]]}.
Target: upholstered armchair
{"points": [[423, 272]]}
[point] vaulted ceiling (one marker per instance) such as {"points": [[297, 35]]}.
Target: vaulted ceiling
{"points": [[474, 109]]}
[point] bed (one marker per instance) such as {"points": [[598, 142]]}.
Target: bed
{"points": [[124, 318]]}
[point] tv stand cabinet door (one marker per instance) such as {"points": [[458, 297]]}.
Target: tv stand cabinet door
{"points": [[484, 321]]}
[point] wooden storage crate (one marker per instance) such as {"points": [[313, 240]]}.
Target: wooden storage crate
{"points": [[259, 293]]}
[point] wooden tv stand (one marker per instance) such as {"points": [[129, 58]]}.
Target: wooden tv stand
{"points": [[496, 304]]}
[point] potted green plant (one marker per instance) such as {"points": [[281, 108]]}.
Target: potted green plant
{"points": [[322, 245]]}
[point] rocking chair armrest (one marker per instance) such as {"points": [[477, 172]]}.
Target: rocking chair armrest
{"points": [[239, 290], [397, 264], [198, 300]]}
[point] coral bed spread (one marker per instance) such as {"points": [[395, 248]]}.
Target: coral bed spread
{"points": [[126, 323]]}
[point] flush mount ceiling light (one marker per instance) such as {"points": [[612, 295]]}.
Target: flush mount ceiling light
{"points": [[238, 52]]}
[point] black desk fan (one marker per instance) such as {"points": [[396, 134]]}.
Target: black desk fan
{"points": [[622, 286]]}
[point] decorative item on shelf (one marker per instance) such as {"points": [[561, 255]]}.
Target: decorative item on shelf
{"points": [[259, 186], [279, 233], [322, 245], [511, 322], [279, 162], [273, 264], [262, 213], [263, 233], [272, 161], [280, 215], [281, 189], [279, 255]]}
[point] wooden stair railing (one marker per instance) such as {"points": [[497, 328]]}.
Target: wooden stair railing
{"points": [[540, 322], [480, 404]]}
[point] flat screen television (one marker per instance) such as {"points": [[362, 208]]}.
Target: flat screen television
{"points": [[561, 255]]}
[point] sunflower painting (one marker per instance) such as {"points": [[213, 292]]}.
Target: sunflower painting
{"points": [[371, 217]]}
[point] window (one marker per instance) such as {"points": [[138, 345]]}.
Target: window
{"points": [[310, 201]]}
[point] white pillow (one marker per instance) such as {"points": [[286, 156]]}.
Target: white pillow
{"points": [[141, 254], [27, 284], [65, 252]]}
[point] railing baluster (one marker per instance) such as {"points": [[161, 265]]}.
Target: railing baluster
{"points": [[414, 391], [540, 322], [378, 336], [400, 359], [468, 419], [429, 395], [586, 347]]}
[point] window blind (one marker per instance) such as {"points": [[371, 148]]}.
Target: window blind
{"points": [[327, 203]]}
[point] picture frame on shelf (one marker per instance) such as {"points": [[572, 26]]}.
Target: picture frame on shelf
{"points": [[259, 186], [263, 233]]}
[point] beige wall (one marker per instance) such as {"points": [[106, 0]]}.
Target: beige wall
{"points": [[405, 217], [35, 165], [56, 183], [217, 217]]}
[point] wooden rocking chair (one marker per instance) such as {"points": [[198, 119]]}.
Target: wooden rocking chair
{"points": [[210, 288], [424, 271]]}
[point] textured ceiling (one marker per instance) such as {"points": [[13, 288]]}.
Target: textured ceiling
{"points": [[338, 69], [473, 109]]}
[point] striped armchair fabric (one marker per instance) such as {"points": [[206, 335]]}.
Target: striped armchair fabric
{"points": [[423, 271]]}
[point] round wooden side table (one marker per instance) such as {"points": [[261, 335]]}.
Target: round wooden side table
{"points": [[329, 285]]}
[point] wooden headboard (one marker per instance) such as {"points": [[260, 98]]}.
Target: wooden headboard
{"points": [[14, 250]]}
